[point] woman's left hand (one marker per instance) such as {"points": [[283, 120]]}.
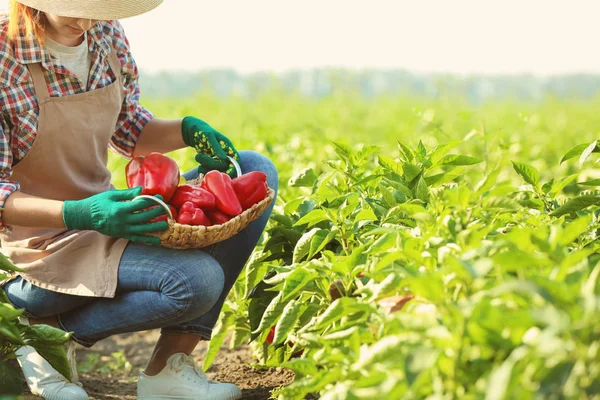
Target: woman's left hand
{"points": [[212, 147]]}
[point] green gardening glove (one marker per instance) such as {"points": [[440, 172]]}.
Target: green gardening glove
{"points": [[112, 213], [212, 146]]}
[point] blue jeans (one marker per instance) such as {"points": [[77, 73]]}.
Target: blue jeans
{"points": [[178, 291]]}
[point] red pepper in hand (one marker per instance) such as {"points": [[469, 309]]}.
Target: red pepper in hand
{"points": [[155, 173], [219, 184], [191, 215], [217, 217], [165, 217], [250, 188], [200, 197]]}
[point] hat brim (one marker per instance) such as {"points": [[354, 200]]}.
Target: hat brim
{"points": [[93, 9]]}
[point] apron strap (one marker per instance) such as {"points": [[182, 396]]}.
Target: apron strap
{"points": [[39, 82], [115, 64]]}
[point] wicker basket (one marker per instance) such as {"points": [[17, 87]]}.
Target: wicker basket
{"points": [[179, 236]]}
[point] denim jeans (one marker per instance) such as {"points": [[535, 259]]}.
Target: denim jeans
{"points": [[178, 291]]}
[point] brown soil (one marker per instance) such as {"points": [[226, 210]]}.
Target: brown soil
{"points": [[229, 366]]}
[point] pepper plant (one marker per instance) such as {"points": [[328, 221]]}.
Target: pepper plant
{"points": [[48, 341], [404, 276]]}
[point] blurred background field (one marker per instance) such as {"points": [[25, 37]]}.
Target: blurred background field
{"points": [[297, 131]]}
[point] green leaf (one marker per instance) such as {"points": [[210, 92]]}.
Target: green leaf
{"points": [[400, 187], [441, 150], [587, 152], [341, 307], [56, 355], [529, 173], [387, 195], [421, 150], [411, 171], [301, 366], [487, 183], [575, 229], [591, 182], [255, 271], [313, 217], [455, 159], [292, 206], [577, 151], [8, 312], [312, 242], [557, 187], [304, 178], [415, 211], [576, 204], [46, 334], [305, 207], [286, 323], [387, 347], [406, 152], [342, 150], [50, 344], [218, 338], [6, 265], [365, 214], [271, 314], [421, 190], [296, 281], [10, 332], [390, 164]]}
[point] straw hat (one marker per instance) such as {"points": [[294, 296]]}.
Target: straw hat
{"points": [[93, 9]]}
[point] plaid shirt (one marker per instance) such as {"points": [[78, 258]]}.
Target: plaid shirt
{"points": [[19, 105]]}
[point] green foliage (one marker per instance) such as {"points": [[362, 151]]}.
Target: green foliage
{"points": [[48, 341], [116, 364], [477, 213]]}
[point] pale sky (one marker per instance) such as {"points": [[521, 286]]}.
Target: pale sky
{"points": [[462, 36]]}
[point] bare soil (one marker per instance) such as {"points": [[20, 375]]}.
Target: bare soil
{"points": [[229, 366]]}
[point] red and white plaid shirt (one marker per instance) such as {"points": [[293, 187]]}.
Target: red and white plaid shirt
{"points": [[20, 110]]}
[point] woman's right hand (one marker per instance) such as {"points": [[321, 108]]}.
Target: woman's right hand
{"points": [[113, 213]]}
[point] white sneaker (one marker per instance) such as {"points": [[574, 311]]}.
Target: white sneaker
{"points": [[45, 381], [182, 379]]}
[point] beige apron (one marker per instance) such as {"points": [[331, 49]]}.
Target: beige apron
{"points": [[68, 162]]}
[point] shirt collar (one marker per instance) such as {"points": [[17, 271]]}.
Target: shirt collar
{"points": [[27, 49]]}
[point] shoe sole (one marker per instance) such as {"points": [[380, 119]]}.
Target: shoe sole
{"points": [[54, 397]]}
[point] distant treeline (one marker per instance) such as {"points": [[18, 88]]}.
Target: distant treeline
{"points": [[370, 83]]}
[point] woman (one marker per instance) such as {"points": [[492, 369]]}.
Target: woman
{"points": [[68, 92]]}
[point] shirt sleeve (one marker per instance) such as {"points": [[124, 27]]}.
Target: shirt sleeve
{"points": [[7, 187], [133, 117]]}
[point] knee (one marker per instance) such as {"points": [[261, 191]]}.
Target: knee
{"points": [[253, 161], [197, 285]]}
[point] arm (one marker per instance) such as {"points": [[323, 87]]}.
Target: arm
{"points": [[159, 135], [21, 209]]}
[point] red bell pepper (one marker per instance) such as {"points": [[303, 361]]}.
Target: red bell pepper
{"points": [[200, 197], [155, 173], [270, 336], [165, 217], [219, 184], [250, 188], [217, 217], [191, 215]]}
